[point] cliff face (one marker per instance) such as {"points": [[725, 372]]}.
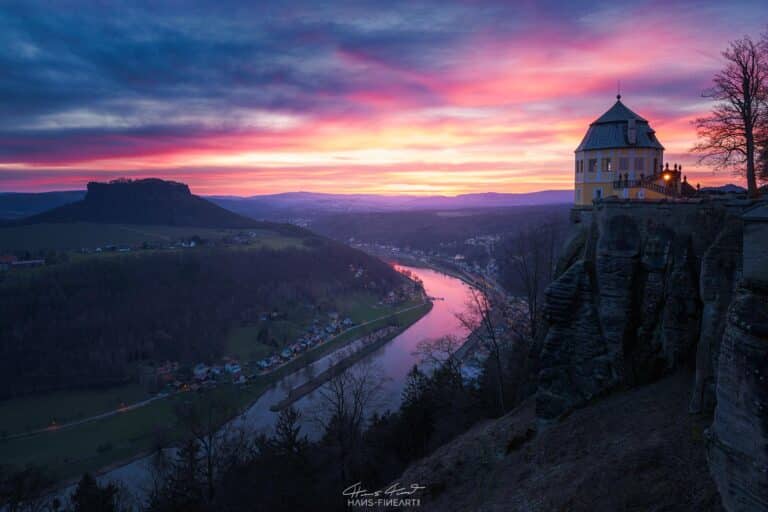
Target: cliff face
{"points": [[653, 287], [631, 305], [738, 438]]}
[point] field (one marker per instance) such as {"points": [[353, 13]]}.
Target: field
{"points": [[69, 452], [243, 341], [77, 235], [31, 413]]}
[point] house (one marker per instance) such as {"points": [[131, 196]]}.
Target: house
{"points": [[621, 157], [200, 371], [232, 367]]}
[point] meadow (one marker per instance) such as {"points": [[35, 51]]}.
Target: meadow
{"points": [[68, 452]]}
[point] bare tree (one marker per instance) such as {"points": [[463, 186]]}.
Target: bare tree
{"points": [[220, 442], [440, 352], [483, 322], [728, 136], [530, 261], [342, 408]]}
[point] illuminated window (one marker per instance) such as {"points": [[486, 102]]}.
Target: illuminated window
{"points": [[607, 166]]}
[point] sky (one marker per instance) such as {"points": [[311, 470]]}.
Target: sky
{"points": [[387, 97]]}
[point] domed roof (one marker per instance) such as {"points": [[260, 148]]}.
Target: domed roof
{"points": [[612, 130]]}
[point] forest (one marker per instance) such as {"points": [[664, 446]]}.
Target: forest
{"points": [[428, 230], [88, 322]]}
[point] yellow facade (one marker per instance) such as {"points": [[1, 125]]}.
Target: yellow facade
{"points": [[596, 171]]}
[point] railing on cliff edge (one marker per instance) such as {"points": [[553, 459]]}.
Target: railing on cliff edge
{"points": [[647, 183]]}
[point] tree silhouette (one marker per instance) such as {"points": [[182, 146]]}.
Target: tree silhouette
{"points": [[729, 136]]}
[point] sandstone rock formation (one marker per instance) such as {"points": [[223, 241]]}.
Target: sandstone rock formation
{"points": [[658, 286], [738, 447], [738, 438], [631, 307]]}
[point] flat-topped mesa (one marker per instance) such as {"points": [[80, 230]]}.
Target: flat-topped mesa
{"points": [[149, 188], [149, 201], [620, 156]]}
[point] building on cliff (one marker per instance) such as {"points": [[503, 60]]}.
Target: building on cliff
{"points": [[620, 156]]}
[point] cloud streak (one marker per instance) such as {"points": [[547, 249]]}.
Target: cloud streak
{"points": [[343, 96]]}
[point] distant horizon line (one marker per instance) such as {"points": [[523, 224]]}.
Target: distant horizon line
{"points": [[404, 194]]}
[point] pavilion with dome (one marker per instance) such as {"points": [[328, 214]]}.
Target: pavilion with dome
{"points": [[620, 156]]}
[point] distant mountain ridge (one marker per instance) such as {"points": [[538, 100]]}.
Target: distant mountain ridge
{"points": [[264, 206], [149, 201], [270, 206], [16, 205]]}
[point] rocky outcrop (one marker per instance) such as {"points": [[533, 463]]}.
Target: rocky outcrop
{"points": [[589, 367], [719, 269], [656, 284], [630, 308], [738, 438]]}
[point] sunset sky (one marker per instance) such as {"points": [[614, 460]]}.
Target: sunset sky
{"points": [[383, 96]]}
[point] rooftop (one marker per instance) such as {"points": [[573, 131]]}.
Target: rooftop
{"points": [[611, 130]]}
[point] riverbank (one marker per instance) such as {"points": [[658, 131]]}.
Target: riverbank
{"points": [[129, 434], [339, 367]]}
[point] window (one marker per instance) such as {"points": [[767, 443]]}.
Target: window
{"points": [[655, 165], [577, 166], [639, 164], [607, 165], [592, 164], [598, 193], [623, 164], [641, 194], [578, 195]]}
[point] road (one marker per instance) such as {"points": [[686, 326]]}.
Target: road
{"points": [[142, 403]]}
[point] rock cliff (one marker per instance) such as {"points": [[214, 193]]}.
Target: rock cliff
{"points": [[651, 287]]}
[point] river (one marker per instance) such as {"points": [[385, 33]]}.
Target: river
{"points": [[392, 361]]}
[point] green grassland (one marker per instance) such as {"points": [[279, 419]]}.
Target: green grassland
{"points": [[34, 412], [71, 451], [77, 235]]}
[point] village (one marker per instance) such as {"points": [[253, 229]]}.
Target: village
{"points": [[171, 377]]}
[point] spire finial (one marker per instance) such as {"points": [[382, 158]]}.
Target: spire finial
{"points": [[618, 90]]}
